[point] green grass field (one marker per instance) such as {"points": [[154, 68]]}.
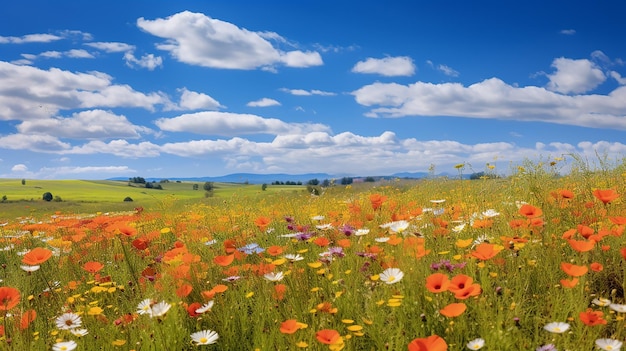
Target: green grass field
{"points": [[88, 196]]}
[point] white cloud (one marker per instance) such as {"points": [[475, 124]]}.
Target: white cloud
{"points": [[388, 66], [38, 143], [574, 76], [494, 99], [118, 147], [28, 93], [618, 77], [264, 102], [30, 38], [111, 46], [92, 124], [448, 71], [53, 172], [191, 100], [78, 53], [19, 168], [148, 61], [568, 31], [230, 124], [197, 39], [302, 92]]}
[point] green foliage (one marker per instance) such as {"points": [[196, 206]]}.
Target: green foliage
{"points": [[128, 199], [47, 196], [208, 186]]}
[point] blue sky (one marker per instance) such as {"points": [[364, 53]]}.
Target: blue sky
{"points": [[99, 89]]}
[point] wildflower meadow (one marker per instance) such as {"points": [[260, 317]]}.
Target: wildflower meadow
{"points": [[531, 261]]}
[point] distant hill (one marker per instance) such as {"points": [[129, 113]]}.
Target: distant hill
{"points": [[253, 178]]}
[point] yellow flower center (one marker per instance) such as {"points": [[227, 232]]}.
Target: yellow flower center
{"points": [[203, 340]]}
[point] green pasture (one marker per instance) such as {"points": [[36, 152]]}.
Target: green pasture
{"points": [[88, 196]]}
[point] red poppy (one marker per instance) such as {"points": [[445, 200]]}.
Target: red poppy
{"points": [[377, 200], [328, 336], [569, 283], [582, 245], [591, 317], [262, 223], [605, 195], [93, 266], [321, 241], [453, 309], [191, 309], [289, 326], [9, 298], [184, 290], [279, 291], [596, 267], [431, 343], [274, 250], [485, 251], [530, 211], [223, 260], [36, 256], [437, 282], [573, 270], [27, 318]]}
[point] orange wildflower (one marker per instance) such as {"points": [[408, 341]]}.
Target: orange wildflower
{"points": [[191, 309], [27, 318], [573, 270], [485, 251], [9, 298], [377, 201], [582, 245], [530, 211], [584, 230], [224, 260], [453, 309], [437, 282], [469, 291], [262, 223], [518, 223], [274, 250], [618, 220], [591, 317], [36, 256], [431, 343], [321, 241], [605, 195], [289, 326], [345, 243], [93, 266], [596, 267], [622, 251], [279, 291], [569, 283], [184, 290], [566, 194], [328, 336]]}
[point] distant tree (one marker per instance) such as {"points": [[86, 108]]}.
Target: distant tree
{"points": [[23, 181], [346, 180], [299, 183], [164, 181], [196, 187], [58, 199], [369, 179], [314, 181], [47, 196], [128, 199], [208, 186], [326, 183], [157, 186], [137, 180], [149, 185], [313, 189], [4, 198], [264, 187]]}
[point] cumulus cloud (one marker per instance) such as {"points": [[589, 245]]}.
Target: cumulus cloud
{"points": [[197, 39], [38, 143], [148, 61], [388, 66], [264, 102], [191, 100], [19, 168], [28, 93], [92, 124], [118, 147], [492, 98], [574, 76], [230, 124]]}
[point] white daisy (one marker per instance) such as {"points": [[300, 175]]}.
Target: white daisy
{"points": [[361, 232], [293, 258], [601, 301], [29, 269], [206, 307], [618, 307], [274, 276], [65, 346], [205, 337], [476, 344], [391, 275], [145, 307], [556, 327], [609, 344], [68, 321], [160, 309], [79, 332], [490, 213], [382, 239]]}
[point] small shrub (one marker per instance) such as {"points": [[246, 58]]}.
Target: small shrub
{"points": [[128, 199], [47, 196]]}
